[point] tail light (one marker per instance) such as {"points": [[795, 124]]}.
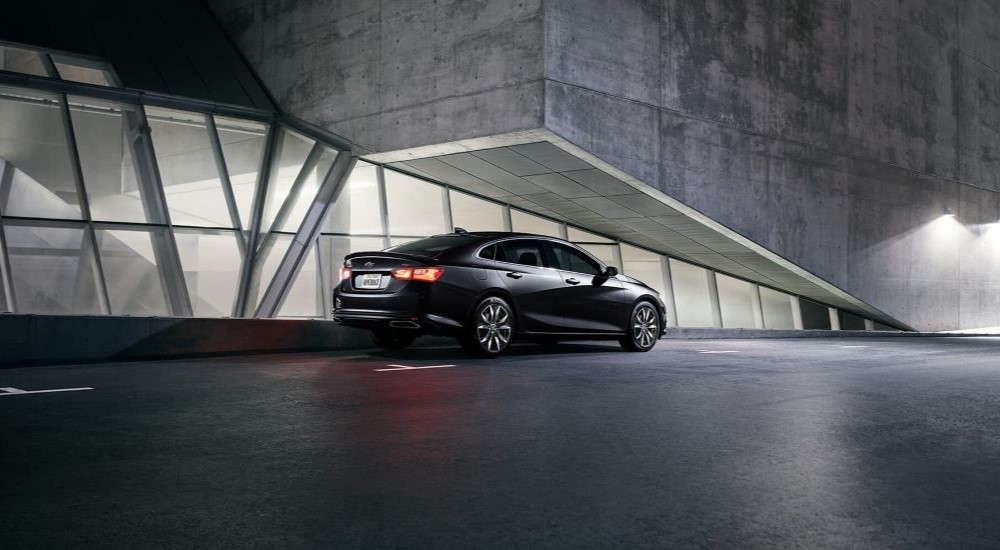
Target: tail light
{"points": [[345, 273], [426, 274]]}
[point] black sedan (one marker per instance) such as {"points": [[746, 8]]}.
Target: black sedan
{"points": [[490, 288]]}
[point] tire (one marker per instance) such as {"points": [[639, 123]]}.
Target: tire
{"points": [[643, 328], [491, 329], [389, 339]]}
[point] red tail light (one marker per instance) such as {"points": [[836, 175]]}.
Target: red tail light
{"points": [[345, 273], [426, 274]]}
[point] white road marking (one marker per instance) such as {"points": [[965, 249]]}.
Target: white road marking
{"points": [[711, 351], [407, 367], [4, 392], [852, 346]]}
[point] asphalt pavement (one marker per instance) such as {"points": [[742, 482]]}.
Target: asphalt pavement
{"points": [[840, 443]]}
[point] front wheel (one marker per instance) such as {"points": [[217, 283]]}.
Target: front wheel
{"points": [[643, 328], [393, 339], [491, 330]]}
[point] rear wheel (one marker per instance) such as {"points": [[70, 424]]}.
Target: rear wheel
{"points": [[643, 329], [491, 330], [393, 339]]}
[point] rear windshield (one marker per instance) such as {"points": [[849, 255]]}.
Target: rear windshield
{"points": [[434, 246]]}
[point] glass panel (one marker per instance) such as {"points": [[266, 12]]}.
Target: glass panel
{"points": [[415, 206], [396, 241], [570, 259], [643, 265], [303, 197], [334, 248], [188, 170], [603, 252], [271, 262], [21, 61], [736, 302], [524, 222], [85, 75], [130, 273], [814, 316], [580, 236], [243, 148], [211, 263], [475, 214], [358, 209], [52, 269], [293, 150], [777, 309], [850, 321], [691, 294], [304, 299], [109, 174], [34, 154]]}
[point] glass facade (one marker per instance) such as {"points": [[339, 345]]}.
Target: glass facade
{"points": [[116, 207]]}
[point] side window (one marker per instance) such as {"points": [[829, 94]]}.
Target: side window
{"points": [[570, 259], [524, 252], [487, 253]]}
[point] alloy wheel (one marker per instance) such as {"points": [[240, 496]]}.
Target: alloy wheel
{"points": [[645, 327], [493, 329]]}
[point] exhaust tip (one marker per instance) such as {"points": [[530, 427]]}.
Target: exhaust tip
{"points": [[404, 324]]}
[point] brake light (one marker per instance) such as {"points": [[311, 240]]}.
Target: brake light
{"points": [[345, 273], [426, 274]]}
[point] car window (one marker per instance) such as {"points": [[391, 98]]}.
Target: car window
{"points": [[570, 259], [520, 251], [487, 253]]}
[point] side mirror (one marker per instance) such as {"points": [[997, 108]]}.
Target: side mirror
{"points": [[611, 271]]}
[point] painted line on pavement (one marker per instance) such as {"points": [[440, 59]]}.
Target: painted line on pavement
{"points": [[721, 351], [407, 367], [4, 392], [852, 347]]}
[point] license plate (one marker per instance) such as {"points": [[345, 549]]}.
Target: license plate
{"points": [[371, 280]]}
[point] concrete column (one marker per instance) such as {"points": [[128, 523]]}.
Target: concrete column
{"points": [[797, 313], [869, 325], [758, 307], [834, 319], [713, 295], [668, 292]]}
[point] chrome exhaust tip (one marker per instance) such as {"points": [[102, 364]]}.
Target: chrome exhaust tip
{"points": [[404, 324]]}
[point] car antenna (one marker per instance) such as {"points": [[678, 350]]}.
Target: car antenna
{"points": [[460, 231]]}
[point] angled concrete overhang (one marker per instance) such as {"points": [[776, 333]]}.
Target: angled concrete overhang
{"points": [[541, 172]]}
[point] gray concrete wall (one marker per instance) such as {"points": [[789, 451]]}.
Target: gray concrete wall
{"points": [[394, 74], [29, 339], [836, 133]]}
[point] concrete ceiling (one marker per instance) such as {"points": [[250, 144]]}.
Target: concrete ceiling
{"points": [[565, 183]]}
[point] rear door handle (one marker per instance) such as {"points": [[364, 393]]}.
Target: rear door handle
{"points": [[514, 275], [573, 281]]}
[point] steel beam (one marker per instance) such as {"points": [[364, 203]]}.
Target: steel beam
{"points": [[245, 298], [305, 237]]}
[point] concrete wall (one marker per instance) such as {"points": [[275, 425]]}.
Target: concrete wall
{"points": [[835, 133], [393, 74], [28, 339]]}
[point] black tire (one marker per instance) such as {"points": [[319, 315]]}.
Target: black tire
{"points": [[491, 328], [643, 329], [393, 339]]}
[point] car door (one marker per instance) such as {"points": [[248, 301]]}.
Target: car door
{"points": [[588, 301], [520, 264]]}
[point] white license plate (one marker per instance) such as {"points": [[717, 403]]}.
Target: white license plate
{"points": [[371, 280]]}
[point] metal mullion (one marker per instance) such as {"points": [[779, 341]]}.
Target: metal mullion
{"points": [[8, 302], [227, 186], [383, 201], [155, 202], [449, 224], [713, 297], [334, 180], [325, 276], [758, 307], [84, 201], [272, 147]]}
